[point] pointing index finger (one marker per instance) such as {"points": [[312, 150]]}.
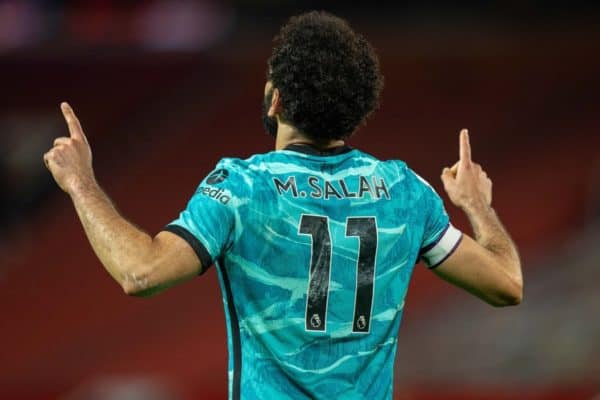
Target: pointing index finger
{"points": [[465, 146], [72, 122]]}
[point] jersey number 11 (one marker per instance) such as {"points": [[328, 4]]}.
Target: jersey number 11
{"points": [[317, 226]]}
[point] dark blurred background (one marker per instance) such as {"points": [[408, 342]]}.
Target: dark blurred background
{"points": [[165, 88]]}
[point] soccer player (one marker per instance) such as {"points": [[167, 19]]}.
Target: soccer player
{"points": [[315, 242]]}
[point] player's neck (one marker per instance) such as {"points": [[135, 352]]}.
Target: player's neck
{"points": [[288, 135]]}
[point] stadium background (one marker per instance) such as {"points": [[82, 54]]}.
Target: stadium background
{"points": [[166, 88]]}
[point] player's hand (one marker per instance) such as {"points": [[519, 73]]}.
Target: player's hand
{"points": [[466, 183], [70, 159]]}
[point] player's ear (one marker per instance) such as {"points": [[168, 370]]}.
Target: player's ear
{"points": [[275, 104]]}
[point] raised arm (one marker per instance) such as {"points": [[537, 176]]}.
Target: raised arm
{"points": [[489, 266], [141, 264]]}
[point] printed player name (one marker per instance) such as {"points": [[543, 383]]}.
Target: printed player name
{"points": [[318, 188]]}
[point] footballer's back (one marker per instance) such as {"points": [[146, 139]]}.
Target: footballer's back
{"points": [[314, 253]]}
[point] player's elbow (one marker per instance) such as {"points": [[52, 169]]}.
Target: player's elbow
{"points": [[130, 289], [137, 284], [511, 295], [512, 299], [142, 293]]}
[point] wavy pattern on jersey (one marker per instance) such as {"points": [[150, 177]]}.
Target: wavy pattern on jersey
{"points": [[267, 260]]}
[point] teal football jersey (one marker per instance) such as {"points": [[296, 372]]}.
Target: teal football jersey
{"points": [[314, 253]]}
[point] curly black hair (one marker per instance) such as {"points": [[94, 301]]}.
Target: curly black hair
{"points": [[327, 75]]}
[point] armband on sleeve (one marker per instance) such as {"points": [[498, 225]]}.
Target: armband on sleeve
{"points": [[440, 249]]}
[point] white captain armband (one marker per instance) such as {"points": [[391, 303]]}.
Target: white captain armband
{"points": [[439, 250]]}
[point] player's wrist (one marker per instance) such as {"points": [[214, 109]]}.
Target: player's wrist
{"points": [[82, 185], [476, 206]]}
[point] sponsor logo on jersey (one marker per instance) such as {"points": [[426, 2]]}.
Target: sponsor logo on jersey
{"points": [[217, 176], [215, 193], [318, 188]]}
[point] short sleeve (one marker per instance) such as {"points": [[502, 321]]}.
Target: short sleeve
{"points": [[208, 220], [440, 237]]}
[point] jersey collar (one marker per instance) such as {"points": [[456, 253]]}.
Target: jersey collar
{"points": [[308, 149]]}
